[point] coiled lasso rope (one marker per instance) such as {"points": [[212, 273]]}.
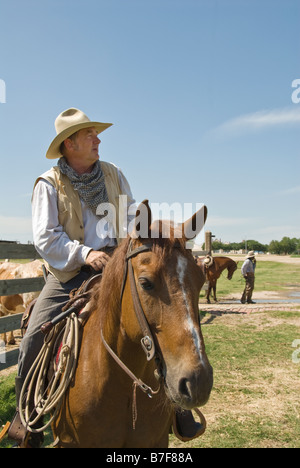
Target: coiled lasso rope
{"points": [[47, 397]]}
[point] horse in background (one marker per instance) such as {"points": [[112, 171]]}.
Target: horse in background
{"points": [[213, 267]]}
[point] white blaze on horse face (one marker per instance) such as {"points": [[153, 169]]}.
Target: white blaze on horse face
{"points": [[181, 268]]}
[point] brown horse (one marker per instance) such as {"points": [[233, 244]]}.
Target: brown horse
{"points": [[213, 272], [148, 294]]}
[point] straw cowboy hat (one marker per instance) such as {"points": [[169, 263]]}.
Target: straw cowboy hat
{"points": [[251, 254], [68, 123]]}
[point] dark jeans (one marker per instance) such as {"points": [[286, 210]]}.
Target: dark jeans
{"points": [[53, 297]]}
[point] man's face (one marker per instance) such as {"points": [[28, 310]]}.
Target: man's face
{"points": [[82, 149], [87, 143]]}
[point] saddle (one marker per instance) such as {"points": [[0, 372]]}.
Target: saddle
{"points": [[78, 300], [83, 291], [208, 261]]}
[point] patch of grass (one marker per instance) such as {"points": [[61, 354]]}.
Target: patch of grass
{"points": [[7, 403], [275, 276], [269, 276], [8, 408], [255, 401]]}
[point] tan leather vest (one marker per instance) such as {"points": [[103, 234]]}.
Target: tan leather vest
{"points": [[69, 207]]}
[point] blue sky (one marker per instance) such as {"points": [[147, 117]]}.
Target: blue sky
{"points": [[199, 91]]}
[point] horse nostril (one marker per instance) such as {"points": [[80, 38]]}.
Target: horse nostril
{"points": [[184, 387]]}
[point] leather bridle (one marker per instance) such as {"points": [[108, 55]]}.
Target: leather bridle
{"points": [[147, 341]]}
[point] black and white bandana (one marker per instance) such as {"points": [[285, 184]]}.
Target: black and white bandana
{"points": [[90, 187]]}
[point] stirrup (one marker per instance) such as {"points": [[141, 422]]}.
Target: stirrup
{"points": [[17, 431], [185, 427]]}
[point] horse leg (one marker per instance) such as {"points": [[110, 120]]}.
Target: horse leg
{"points": [[11, 340], [215, 291], [212, 289], [208, 293]]}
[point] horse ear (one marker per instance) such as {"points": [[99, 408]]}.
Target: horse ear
{"points": [[192, 227], [143, 220]]}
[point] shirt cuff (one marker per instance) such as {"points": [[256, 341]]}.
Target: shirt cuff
{"points": [[82, 254]]}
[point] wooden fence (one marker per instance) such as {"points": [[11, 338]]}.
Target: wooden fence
{"points": [[14, 251]]}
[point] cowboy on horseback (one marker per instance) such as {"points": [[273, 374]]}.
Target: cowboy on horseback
{"points": [[65, 223], [66, 232]]}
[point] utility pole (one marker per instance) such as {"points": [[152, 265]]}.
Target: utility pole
{"points": [[208, 241]]}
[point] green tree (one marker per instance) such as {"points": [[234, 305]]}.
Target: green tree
{"points": [[275, 247], [288, 245], [257, 246]]}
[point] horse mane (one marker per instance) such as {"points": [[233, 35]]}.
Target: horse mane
{"points": [[107, 293]]}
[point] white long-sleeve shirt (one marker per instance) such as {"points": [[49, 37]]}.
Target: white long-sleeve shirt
{"points": [[247, 267], [50, 240]]}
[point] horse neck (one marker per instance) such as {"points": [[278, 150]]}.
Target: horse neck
{"points": [[222, 263], [231, 265], [228, 264]]}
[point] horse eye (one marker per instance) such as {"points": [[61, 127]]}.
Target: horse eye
{"points": [[146, 284]]}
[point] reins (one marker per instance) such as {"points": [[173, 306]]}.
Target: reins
{"points": [[147, 342], [138, 382]]}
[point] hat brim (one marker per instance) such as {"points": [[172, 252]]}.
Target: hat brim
{"points": [[54, 149]]}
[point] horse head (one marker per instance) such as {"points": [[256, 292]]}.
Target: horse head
{"points": [[168, 285], [232, 267]]}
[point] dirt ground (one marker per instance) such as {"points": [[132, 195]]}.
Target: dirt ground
{"points": [[264, 300]]}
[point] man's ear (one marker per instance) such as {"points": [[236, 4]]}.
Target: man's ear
{"points": [[68, 144]]}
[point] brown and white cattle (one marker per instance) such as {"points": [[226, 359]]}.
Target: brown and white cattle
{"points": [[17, 303]]}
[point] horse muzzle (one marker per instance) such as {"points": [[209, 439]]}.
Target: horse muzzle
{"points": [[191, 389]]}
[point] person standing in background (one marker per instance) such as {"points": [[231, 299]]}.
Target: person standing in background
{"points": [[248, 272]]}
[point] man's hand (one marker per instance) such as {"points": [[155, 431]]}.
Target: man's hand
{"points": [[96, 260]]}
